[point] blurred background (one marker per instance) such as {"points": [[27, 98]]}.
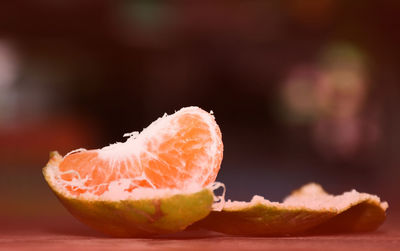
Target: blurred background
{"points": [[302, 90]]}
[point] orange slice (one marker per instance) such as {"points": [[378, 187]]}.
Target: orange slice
{"points": [[181, 151]]}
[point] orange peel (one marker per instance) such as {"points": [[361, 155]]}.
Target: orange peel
{"points": [[307, 210], [163, 180]]}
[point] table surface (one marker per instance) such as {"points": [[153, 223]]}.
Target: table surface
{"points": [[68, 234], [50, 234]]}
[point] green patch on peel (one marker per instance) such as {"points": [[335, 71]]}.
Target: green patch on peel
{"points": [[139, 218]]}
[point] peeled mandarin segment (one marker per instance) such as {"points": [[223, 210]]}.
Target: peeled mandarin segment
{"points": [[178, 151], [135, 218], [308, 210]]}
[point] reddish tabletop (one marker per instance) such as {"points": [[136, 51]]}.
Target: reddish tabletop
{"points": [[68, 234]]}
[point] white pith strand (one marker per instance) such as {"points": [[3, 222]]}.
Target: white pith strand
{"points": [[75, 151], [219, 200]]}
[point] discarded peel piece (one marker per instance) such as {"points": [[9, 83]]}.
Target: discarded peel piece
{"points": [[307, 210], [356, 212], [163, 212]]}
